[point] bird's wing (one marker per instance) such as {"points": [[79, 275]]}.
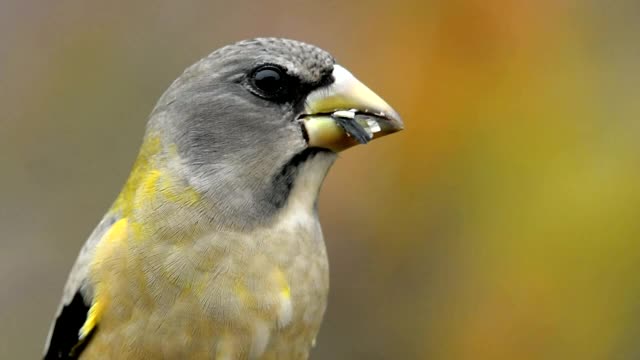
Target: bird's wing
{"points": [[73, 326]]}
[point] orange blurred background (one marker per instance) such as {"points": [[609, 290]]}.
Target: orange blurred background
{"points": [[503, 223]]}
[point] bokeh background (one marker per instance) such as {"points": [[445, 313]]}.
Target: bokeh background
{"points": [[502, 224]]}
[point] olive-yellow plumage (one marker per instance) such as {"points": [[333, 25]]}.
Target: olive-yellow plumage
{"points": [[213, 249]]}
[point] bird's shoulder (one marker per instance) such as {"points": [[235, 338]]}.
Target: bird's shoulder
{"points": [[73, 325]]}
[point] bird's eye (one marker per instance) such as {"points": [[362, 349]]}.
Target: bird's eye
{"points": [[269, 81]]}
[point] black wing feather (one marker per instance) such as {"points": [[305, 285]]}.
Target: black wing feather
{"points": [[65, 342]]}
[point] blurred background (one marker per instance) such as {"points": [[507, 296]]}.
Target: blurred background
{"points": [[502, 224]]}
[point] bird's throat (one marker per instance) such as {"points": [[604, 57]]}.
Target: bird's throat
{"points": [[301, 179], [301, 176]]}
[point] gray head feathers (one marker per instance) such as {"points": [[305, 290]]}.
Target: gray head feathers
{"points": [[232, 145]]}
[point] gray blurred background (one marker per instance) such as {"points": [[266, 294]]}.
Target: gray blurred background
{"points": [[502, 224]]}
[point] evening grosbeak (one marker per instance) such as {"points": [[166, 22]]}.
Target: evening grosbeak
{"points": [[213, 249]]}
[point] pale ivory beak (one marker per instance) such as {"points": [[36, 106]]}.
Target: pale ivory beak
{"points": [[347, 113]]}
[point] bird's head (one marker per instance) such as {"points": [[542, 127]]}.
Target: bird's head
{"points": [[244, 120]]}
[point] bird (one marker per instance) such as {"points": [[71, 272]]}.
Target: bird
{"points": [[213, 249]]}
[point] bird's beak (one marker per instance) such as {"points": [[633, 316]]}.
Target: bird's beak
{"points": [[346, 113]]}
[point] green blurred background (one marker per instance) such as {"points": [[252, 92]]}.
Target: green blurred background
{"points": [[502, 224]]}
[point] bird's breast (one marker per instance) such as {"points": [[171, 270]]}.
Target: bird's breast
{"points": [[258, 294]]}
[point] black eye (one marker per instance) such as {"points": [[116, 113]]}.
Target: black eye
{"points": [[269, 81]]}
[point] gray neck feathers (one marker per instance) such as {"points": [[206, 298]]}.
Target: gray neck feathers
{"points": [[239, 199]]}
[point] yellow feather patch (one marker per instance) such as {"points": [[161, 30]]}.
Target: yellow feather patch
{"points": [[150, 149], [92, 319], [150, 184], [285, 290], [116, 234]]}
